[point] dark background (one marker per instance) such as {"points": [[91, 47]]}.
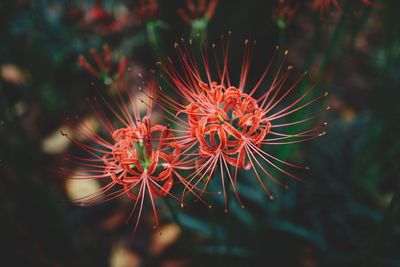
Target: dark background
{"points": [[347, 212]]}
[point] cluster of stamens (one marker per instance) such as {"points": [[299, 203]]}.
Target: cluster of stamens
{"points": [[133, 159], [223, 119]]}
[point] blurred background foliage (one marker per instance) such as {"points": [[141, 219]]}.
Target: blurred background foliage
{"points": [[347, 213]]}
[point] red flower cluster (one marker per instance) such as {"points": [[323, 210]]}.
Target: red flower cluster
{"points": [[197, 12], [284, 12], [134, 158], [221, 124], [324, 6], [227, 126], [147, 10], [99, 20], [236, 115], [103, 68]]}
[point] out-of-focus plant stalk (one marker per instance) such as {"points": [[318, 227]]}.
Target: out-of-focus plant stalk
{"points": [[390, 220], [214, 236], [281, 33], [154, 29], [199, 29], [174, 214], [228, 223], [334, 44], [185, 237]]}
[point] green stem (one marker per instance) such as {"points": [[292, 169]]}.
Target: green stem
{"points": [[282, 36], [214, 237], [174, 214], [281, 44], [199, 29], [228, 240], [143, 157], [389, 222], [185, 237], [312, 54], [154, 36], [330, 51], [333, 45]]}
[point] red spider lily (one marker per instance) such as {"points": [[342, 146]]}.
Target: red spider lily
{"points": [[97, 14], [284, 12], [229, 124], [103, 69], [197, 12], [100, 20], [134, 158], [147, 10], [324, 6]]}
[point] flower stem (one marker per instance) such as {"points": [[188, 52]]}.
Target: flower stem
{"points": [[389, 222], [176, 219], [214, 237], [334, 44], [174, 214]]}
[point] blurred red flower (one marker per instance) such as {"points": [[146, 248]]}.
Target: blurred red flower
{"points": [[324, 6], [103, 68], [97, 19], [147, 10], [200, 11], [284, 12]]}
